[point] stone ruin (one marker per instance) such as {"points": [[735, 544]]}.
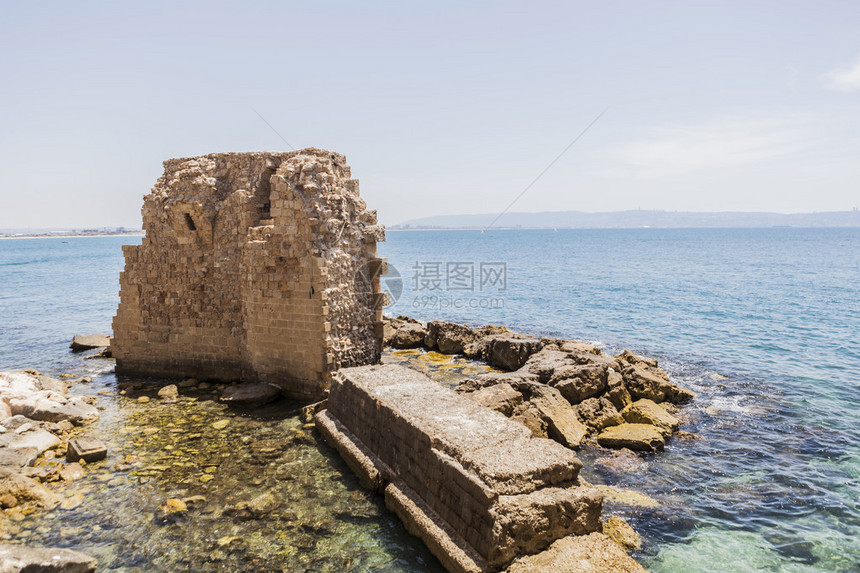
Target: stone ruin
{"points": [[254, 267], [262, 267]]}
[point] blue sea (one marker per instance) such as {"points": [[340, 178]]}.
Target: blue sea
{"points": [[763, 324]]}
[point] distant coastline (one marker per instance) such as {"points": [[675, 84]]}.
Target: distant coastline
{"points": [[637, 219], [70, 235]]}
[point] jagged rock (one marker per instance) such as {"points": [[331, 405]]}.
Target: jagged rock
{"points": [[391, 325], [519, 381], [5, 411], [104, 354], [579, 347], [529, 416], [511, 353], [644, 411], [544, 363], [408, 336], [25, 383], [500, 397], [619, 531], [644, 383], [598, 413], [49, 406], [616, 391], [26, 437], [640, 437], [20, 558], [633, 360], [18, 458], [26, 489], [87, 449], [388, 331], [593, 553], [449, 337], [562, 424], [88, 342], [250, 394], [168, 393], [579, 382]]}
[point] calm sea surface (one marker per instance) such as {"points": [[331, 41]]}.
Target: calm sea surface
{"points": [[764, 324]]}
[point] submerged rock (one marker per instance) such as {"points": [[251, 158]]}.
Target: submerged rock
{"points": [[250, 394], [44, 560], [626, 497], [168, 393], [640, 437]]}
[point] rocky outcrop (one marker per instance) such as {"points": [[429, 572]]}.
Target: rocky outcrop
{"points": [[37, 421], [639, 437], [449, 337], [594, 553], [500, 397], [408, 335], [598, 413], [645, 411], [510, 353], [619, 531], [562, 389]]}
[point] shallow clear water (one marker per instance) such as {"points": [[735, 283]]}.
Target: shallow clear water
{"points": [[762, 323]]}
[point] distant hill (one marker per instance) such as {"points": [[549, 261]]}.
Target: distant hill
{"points": [[634, 219]]}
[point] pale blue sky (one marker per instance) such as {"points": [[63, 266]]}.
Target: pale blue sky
{"points": [[442, 107]]}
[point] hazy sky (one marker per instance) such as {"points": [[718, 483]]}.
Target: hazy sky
{"points": [[440, 107]]}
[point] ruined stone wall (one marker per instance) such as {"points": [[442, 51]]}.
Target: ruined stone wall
{"points": [[255, 266], [474, 485]]}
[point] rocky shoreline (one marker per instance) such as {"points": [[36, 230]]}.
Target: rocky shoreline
{"points": [[566, 390]]}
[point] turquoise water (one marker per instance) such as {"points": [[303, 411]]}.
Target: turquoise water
{"points": [[761, 323], [764, 324]]}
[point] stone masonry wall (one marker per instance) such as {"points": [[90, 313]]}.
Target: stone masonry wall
{"points": [[255, 266], [475, 486]]}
